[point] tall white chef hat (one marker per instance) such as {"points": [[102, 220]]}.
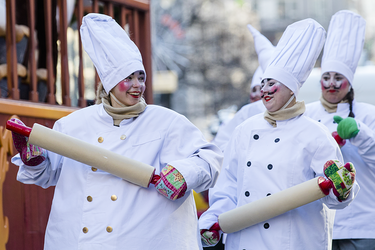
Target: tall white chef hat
{"points": [[263, 47], [257, 77], [114, 55], [296, 54], [345, 40]]}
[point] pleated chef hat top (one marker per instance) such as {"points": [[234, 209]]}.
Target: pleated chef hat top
{"points": [[296, 54], [263, 47], [113, 54], [345, 40]]}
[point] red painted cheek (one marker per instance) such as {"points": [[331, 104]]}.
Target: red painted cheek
{"points": [[124, 86], [273, 89], [344, 84]]}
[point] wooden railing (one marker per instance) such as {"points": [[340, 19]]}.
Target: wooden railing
{"points": [[24, 209], [134, 14]]}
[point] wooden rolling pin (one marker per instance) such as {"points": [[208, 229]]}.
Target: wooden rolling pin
{"points": [[128, 169], [273, 205]]}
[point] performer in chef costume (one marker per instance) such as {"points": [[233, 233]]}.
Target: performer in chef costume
{"points": [[354, 122], [255, 85], [95, 210], [278, 149], [264, 49]]}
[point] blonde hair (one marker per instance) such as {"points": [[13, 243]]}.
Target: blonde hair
{"points": [[100, 93]]}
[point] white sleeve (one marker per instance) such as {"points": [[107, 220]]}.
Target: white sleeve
{"points": [[365, 142], [186, 149], [329, 150], [223, 197], [45, 174]]}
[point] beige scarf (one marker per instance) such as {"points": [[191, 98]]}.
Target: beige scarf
{"points": [[121, 113], [284, 113], [330, 107]]}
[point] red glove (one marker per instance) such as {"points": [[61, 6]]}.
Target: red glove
{"points": [[342, 178], [30, 155], [341, 142], [211, 236]]}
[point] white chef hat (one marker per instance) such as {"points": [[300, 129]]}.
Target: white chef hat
{"points": [[114, 55], [263, 47], [296, 53], [345, 40], [257, 77]]}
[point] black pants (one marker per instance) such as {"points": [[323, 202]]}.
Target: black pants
{"points": [[353, 244]]}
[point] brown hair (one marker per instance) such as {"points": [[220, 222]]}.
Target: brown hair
{"points": [[350, 97]]}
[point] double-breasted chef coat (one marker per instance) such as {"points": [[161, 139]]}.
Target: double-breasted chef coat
{"points": [[355, 221], [225, 131], [95, 210], [261, 160]]}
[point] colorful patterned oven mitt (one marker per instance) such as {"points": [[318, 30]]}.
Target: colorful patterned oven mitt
{"points": [[211, 236], [171, 183], [30, 155], [346, 128], [342, 177]]}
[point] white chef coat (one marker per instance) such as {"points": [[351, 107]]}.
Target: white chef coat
{"points": [[95, 201], [357, 220], [261, 160], [225, 131]]}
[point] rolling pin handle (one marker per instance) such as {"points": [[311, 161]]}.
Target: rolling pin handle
{"points": [[18, 128]]}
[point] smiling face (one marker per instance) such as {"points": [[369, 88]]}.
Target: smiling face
{"points": [[130, 90], [255, 94], [334, 86], [274, 94]]}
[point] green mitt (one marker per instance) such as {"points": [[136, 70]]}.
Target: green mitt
{"points": [[347, 128]]}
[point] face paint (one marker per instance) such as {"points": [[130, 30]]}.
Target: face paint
{"points": [[129, 82], [255, 94], [332, 79], [125, 85], [334, 86], [275, 95], [130, 90], [269, 88]]}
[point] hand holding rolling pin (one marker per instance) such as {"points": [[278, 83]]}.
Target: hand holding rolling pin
{"points": [[340, 179], [30, 155], [32, 143]]}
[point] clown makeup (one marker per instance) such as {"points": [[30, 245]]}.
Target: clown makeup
{"points": [[255, 94], [270, 87], [333, 79], [334, 86], [130, 90], [274, 94], [128, 82]]}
